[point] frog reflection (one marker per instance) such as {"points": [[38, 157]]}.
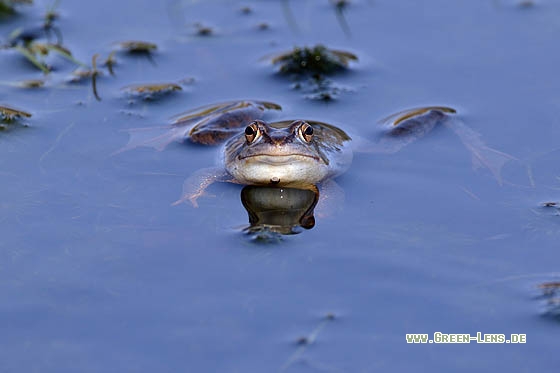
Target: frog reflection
{"points": [[279, 210]]}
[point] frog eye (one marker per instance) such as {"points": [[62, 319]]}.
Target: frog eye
{"points": [[252, 132], [306, 132]]}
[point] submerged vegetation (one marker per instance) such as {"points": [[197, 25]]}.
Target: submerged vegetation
{"points": [[310, 66], [320, 88]]}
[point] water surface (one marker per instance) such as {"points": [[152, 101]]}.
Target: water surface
{"points": [[100, 274]]}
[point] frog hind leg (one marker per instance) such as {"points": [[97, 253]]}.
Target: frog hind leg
{"points": [[208, 125], [226, 120], [409, 125], [195, 185], [331, 199], [152, 137], [482, 155]]}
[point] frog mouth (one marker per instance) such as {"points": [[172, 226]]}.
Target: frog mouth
{"points": [[278, 159]]}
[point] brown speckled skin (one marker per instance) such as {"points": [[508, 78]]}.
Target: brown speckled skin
{"points": [[280, 138], [217, 130], [219, 122]]}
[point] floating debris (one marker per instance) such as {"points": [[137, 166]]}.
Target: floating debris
{"points": [[23, 36], [110, 62], [202, 30], [314, 60], [549, 208], [31, 83], [81, 74], [35, 43], [51, 14], [92, 73], [36, 53], [263, 26], [136, 46], [246, 10], [309, 66], [305, 341], [10, 113], [551, 296], [151, 91], [7, 7], [33, 59], [549, 288]]}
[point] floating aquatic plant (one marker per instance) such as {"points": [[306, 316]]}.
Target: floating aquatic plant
{"points": [[132, 47], [92, 73], [29, 43], [263, 26], [10, 114], [7, 7], [313, 60], [110, 62], [551, 207], [246, 10], [309, 66], [137, 46], [151, 91], [25, 37], [202, 30], [30, 83]]}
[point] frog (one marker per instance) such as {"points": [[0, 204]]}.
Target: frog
{"points": [[296, 153]]}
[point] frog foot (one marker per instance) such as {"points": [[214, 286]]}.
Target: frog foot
{"points": [[195, 185], [192, 198]]}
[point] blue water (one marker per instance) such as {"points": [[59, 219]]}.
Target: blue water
{"points": [[98, 273]]}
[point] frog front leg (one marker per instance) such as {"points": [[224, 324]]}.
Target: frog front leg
{"points": [[195, 185], [331, 199]]}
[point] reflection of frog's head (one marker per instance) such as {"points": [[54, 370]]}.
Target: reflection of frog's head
{"points": [[282, 153], [279, 210]]}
